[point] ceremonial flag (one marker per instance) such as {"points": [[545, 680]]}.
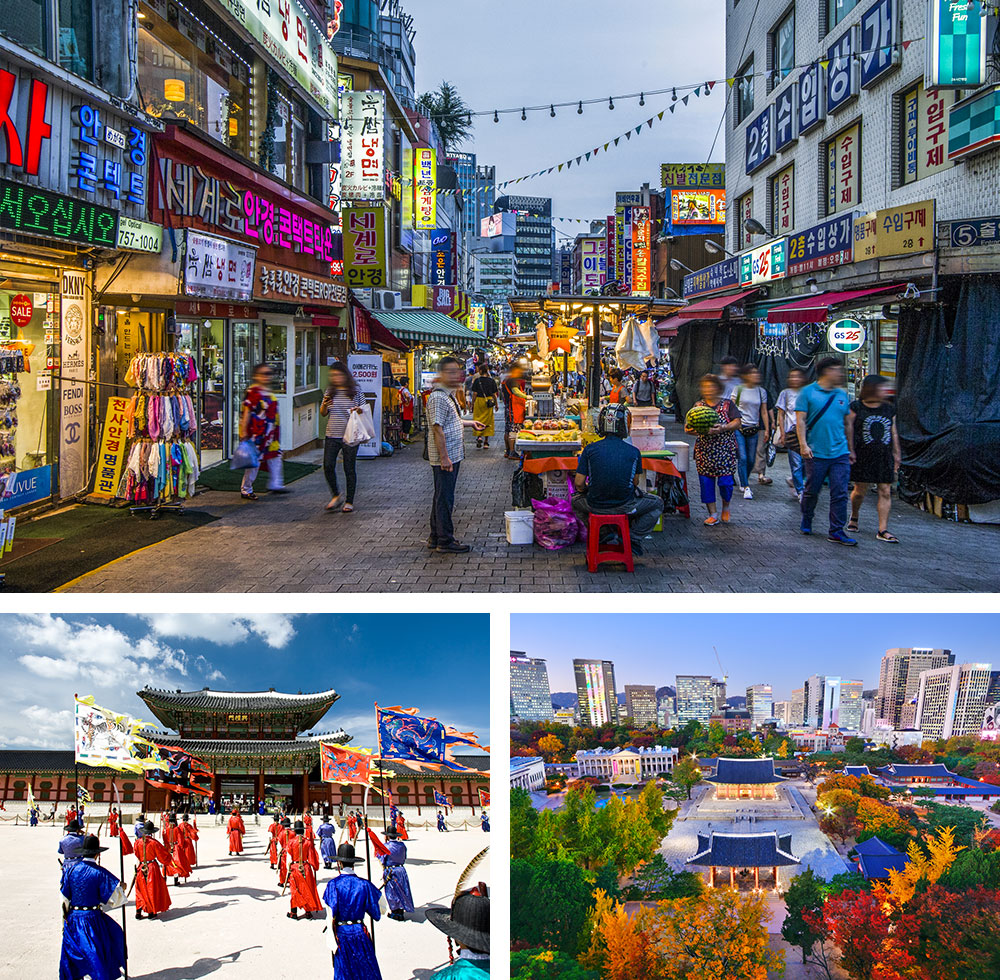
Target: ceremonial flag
{"points": [[107, 738], [31, 798], [440, 799], [340, 765], [125, 842], [182, 772], [484, 797], [419, 742], [377, 846]]}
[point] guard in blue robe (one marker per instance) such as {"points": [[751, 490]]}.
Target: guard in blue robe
{"points": [[260, 808], [93, 944], [485, 821], [139, 830], [33, 816], [211, 806], [442, 827], [350, 899], [326, 832], [71, 845], [396, 881]]}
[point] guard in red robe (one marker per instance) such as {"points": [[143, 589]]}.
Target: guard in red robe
{"points": [[307, 822], [283, 835], [303, 863], [401, 827], [272, 844], [151, 894], [189, 834], [173, 841], [236, 829], [352, 827], [113, 823]]}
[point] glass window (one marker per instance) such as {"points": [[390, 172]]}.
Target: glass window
{"points": [[306, 357], [276, 356], [76, 37], [744, 95], [783, 46], [26, 22], [837, 10]]}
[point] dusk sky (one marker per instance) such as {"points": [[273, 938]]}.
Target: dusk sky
{"points": [[781, 650], [524, 52], [393, 659]]}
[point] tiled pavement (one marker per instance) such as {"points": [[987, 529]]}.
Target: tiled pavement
{"points": [[288, 543]]}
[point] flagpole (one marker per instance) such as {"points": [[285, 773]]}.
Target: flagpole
{"points": [[121, 868], [368, 852]]}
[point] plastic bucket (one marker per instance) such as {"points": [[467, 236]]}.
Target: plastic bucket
{"points": [[520, 526]]}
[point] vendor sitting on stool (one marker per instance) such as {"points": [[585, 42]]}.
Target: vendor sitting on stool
{"points": [[607, 478]]}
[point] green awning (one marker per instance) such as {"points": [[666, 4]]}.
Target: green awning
{"points": [[426, 326]]}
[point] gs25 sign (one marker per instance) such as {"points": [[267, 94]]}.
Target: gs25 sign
{"points": [[846, 336]]}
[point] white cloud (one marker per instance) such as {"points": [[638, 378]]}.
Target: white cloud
{"points": [[48, 729], [275, 629]]}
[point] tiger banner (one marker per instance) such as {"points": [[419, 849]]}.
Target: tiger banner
{"points": [[103, 737], [484, 798]]}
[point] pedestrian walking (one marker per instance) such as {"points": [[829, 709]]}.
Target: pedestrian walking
{"points": [[446, 450], [260, 424], [467, 925], [484, 822], [618, 395], [875, 439], [823, 430], [645, 391], [112, 822], [750, 400], [349, 899], [715, 454], [189, 834], [406, 411], [283, 837], [786, 435], [442, 828], [151, 893], [302, 867], [173, 840], [484, 405], [729, 372], [340, 399], [514, 402], [400, 826], [235, 828], [395, 880]]}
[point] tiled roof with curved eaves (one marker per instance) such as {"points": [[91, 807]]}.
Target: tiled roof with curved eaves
{"points": [[745, 772], [309, 707]]}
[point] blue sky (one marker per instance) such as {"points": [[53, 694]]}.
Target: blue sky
{"points": [[755, 648], [439, 664]]}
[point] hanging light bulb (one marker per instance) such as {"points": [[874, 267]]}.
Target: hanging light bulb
{"points": [[496, 118], [579, 108], [552, 111], [673, 98], [611, 102], [523, 116], [642, 98]]}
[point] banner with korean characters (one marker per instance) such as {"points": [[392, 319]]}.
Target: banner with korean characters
{"points": [[693, 175], [217, 267], [842, 71], [365, 247], [760, 140], [721, 275], [811, 102], [824, 245], [279, 282], [880, 47], [843, 173], [424, 187], [112, 453], [362, 147], [904, 230], [73, 368], [969, 232], [641, 235], [764, 264], [783, 200], [925, 131]]}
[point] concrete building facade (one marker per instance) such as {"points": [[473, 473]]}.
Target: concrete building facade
{"points": [[952, 700], [530, 697], [595, 692], [899, 678], [640, 704]]}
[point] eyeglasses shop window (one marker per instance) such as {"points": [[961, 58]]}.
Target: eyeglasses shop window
{"points": [[61, 31]]}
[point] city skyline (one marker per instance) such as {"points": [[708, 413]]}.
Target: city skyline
{"points": [[778, 657]]}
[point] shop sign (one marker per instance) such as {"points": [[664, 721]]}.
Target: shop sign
{"points": [[367, 371], [441, 258], [865, 229], [34, 211], [609, 249], [21, 310], [217, 267], [846, 336], [824, 245], [640, 251], [760, 140], [908, 229], [215, 310], [697, 207], [843, 179], [477, 318], [925, 131], [109, 460], [103, 162], [842, 72], [812, 108], [365, 247], [956, 44], [784, 119], [565, 271], [73, 476], [23, 122], [783, 201], [274, 224], [627, 198], [273, 282], [289, 35], [880, 47], [424, 187], [592, 264], [970, 232], [629, 255], [619, 241], [763, 264], [974, 124], [688, 175], [139, 236], [443, 299], [721, 275], [26, 487], [362, 150]]}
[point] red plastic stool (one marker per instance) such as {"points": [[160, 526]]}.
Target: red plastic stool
{"points": [[622, 553]]}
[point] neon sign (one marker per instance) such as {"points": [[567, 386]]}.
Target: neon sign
{"points": [[34, 211]]}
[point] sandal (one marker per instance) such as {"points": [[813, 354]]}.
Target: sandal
{"points": [[347, 508], [249, 496], [335, 503], [711, 520], [725, 517], [852, 525], [887, 536]]}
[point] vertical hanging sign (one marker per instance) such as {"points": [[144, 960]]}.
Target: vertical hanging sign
{"points": [[640, 251], [362, 158], [72, 388], [424, 187], [956, 44]]}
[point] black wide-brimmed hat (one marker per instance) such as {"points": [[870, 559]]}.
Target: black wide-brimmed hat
{"points": [[286, 822], [345, 855], [172, 817], [185, 817], [467, 921], [391, 833], [300, 827], [74, 825], [149, 827], [90, 847]]}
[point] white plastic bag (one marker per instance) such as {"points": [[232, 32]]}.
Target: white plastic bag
{"points": [[625, 348], [360, 427]]}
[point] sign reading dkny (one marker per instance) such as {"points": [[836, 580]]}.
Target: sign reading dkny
{"points": [[72, 386]]}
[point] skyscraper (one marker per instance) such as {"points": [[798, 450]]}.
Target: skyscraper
{"points": [[952, 700], [530, 698], [640, 704], [533, 241], [851, 704], [780, 711], [595, 691], [719, 693], [831, 700], [796, 711], [899, 678], [760, 703], [695, 698]]}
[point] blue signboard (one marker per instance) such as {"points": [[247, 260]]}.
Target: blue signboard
{"points": [[879, 40], [27, 487], [719, 276], [784, 119], [829, 243], [969, 232], [841, 75], [441, 260], [760, 140], [812, 107]]}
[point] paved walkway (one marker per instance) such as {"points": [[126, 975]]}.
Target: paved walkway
{"points": [[289, 544]]}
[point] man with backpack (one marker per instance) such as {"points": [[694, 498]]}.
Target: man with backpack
{"points": [[821, 423]]}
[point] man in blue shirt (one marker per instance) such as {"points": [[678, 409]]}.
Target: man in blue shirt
{"points": [[607, 479], [71, 846], [821, 422]]}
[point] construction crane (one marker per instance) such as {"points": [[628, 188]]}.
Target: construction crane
{"points": [[725, 676]]}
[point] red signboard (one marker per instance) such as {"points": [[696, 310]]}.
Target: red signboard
{"points": [[640, 251], [23, 130], [21, 310]]}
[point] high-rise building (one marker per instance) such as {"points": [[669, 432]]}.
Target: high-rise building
{"points": [[666, 712], [695, 698], [595, 692], [533, 240], [760, 703], [719, 693], [952, 700], [825, 699], [780, 711], [851, 704], [530, 697], [796, 711], [464, 165], [993, 694], [899, 678], [640, 704]]}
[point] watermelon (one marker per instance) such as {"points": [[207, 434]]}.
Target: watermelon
{"points": [[701, 418]]}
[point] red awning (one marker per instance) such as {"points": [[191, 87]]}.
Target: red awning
{"points": [[712, 309], [668, 328], [384, 337], [816, 308]]}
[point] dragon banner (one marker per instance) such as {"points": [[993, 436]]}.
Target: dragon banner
{"points": [[183, 773], [340, 765], [418, 742]]}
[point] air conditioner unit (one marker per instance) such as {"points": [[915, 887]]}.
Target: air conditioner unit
{"points": [[386, 299]]}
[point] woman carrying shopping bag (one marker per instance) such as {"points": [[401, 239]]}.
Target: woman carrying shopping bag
{"points": [[340, 399], [260, 425], [484, 390]]}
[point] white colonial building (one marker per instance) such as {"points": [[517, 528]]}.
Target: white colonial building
{"points": [[627, 765], [527, 773]]}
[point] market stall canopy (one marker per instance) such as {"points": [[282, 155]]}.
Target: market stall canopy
{"points": [[559, 304], [428, 327], [815, 309], [377, 333], [668, 328], [712, 309]]}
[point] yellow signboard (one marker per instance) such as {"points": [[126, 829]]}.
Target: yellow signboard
{"points": [[693, 175], [109, 461], [865, 228], [365, 247], [905, 230], [424, 187]]}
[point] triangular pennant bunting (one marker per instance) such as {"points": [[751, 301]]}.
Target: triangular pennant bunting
{"points": [[628, 135], [649, 123], [906, 44], [587, 156], [730, 82], [617, 138], [710, 85], [659, 115], [671, 110], [824, 63], [685, 99], [697, 91], [606, 145]]}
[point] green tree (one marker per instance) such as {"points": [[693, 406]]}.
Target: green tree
{"points": [[546, 964], [651, 802], [656, 879], [553, 901], [963, 819], [687, 773], [852, 881], [805, 894], [971, 869], [449, 112], [523, 824]]}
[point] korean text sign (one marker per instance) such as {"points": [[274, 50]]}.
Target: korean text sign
{"points": [[109, 460], [365, 247], [363, 152], [827, 244], [424, 187], [217, 267], [592, 264]]}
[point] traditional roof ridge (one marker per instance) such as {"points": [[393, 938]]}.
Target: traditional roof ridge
{"points": [[724, 849], [269, 693], [746, 771]]}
